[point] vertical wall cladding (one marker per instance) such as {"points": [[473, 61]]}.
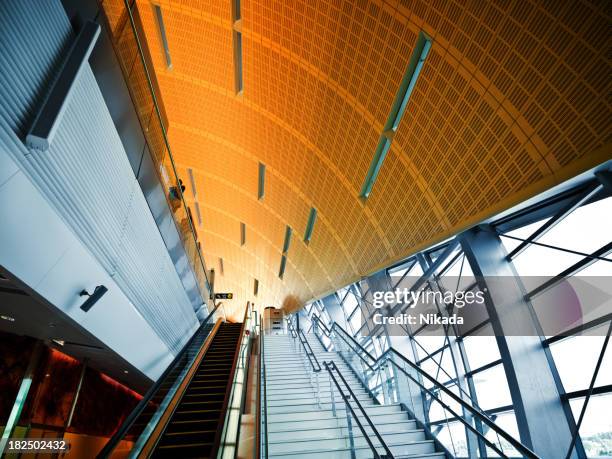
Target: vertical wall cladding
{"points": [[85, 174]]}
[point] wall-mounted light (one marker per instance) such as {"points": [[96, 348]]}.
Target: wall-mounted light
{"points": [[8, 318], [93, 298]]}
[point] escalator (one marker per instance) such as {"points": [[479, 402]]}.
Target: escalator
{"points": [[186, 412], [195, 426], [190, 354]]}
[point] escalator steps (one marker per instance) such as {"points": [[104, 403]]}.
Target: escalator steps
{"points": [[191, 431]]}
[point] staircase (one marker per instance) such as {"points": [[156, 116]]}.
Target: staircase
{"points": [[199, 416], [299, 427]]}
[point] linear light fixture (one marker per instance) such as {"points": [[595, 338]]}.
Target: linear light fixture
{"points": [[162, 33], [242, 233], [192, 184], [421, 49], [255, 287], [237, 13], [56, 100], [238, 83], [237, 45], [312, 218], [198, 213], [281, 272], [211, 277], [262, 181], [287, 242]]}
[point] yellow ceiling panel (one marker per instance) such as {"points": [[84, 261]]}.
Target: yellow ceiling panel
{"points": [[512, 98]]}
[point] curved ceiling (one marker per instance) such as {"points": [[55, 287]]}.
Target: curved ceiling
{"points": [[512, 99]]}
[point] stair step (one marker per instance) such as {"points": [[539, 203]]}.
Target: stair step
{"points": [[308, 392], [341, 431], [282, 413], [193, 424], [299, 427], [200, 449], [383, 423], [299, 404], [411, 442], [362, 453]]}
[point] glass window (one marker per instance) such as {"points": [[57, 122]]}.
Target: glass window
{"points": [[342, 293], [481, 348], [578, 232], [437, 412], [575, 358], [355, 321], [432, 369], [452, 436], [507, 422], [596, 428], [492, 388], [543, 261], [410, 269], [350, 303], [585, 230], [402, 269], [426, 345], [522, 233]]}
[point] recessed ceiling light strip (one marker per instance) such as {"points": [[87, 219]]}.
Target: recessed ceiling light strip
{"points": [[421, 50]]}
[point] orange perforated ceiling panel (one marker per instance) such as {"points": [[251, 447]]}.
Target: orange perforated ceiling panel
{"points": [[512, 99]]}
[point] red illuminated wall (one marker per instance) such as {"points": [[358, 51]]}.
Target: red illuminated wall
{"points": [[15, 354], [102, 405]]}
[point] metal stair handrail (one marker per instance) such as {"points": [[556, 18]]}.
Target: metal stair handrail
{"points": [[331, 367], [374, 364], [299, 334]]}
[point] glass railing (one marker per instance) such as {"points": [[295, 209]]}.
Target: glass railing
{"points": [[301, 347], [262, 396], [392, 378], [230, 436], [138, 426], [124, 27]]}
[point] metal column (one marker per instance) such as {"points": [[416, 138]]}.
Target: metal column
{"points": [[541, 420]]}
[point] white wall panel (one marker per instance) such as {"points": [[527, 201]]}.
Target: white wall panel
{"points": [[85, 175], [38, 248]]}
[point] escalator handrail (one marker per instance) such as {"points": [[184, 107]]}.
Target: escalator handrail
{"points": [[330, 367], [386, 357], [230, 383], [137, 411]]}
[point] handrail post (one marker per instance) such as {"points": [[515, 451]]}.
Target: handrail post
{"points": [[349, 426], [332, 393], [318, 390]]}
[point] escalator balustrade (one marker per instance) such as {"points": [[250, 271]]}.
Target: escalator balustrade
{"points": [[195, 426]]}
